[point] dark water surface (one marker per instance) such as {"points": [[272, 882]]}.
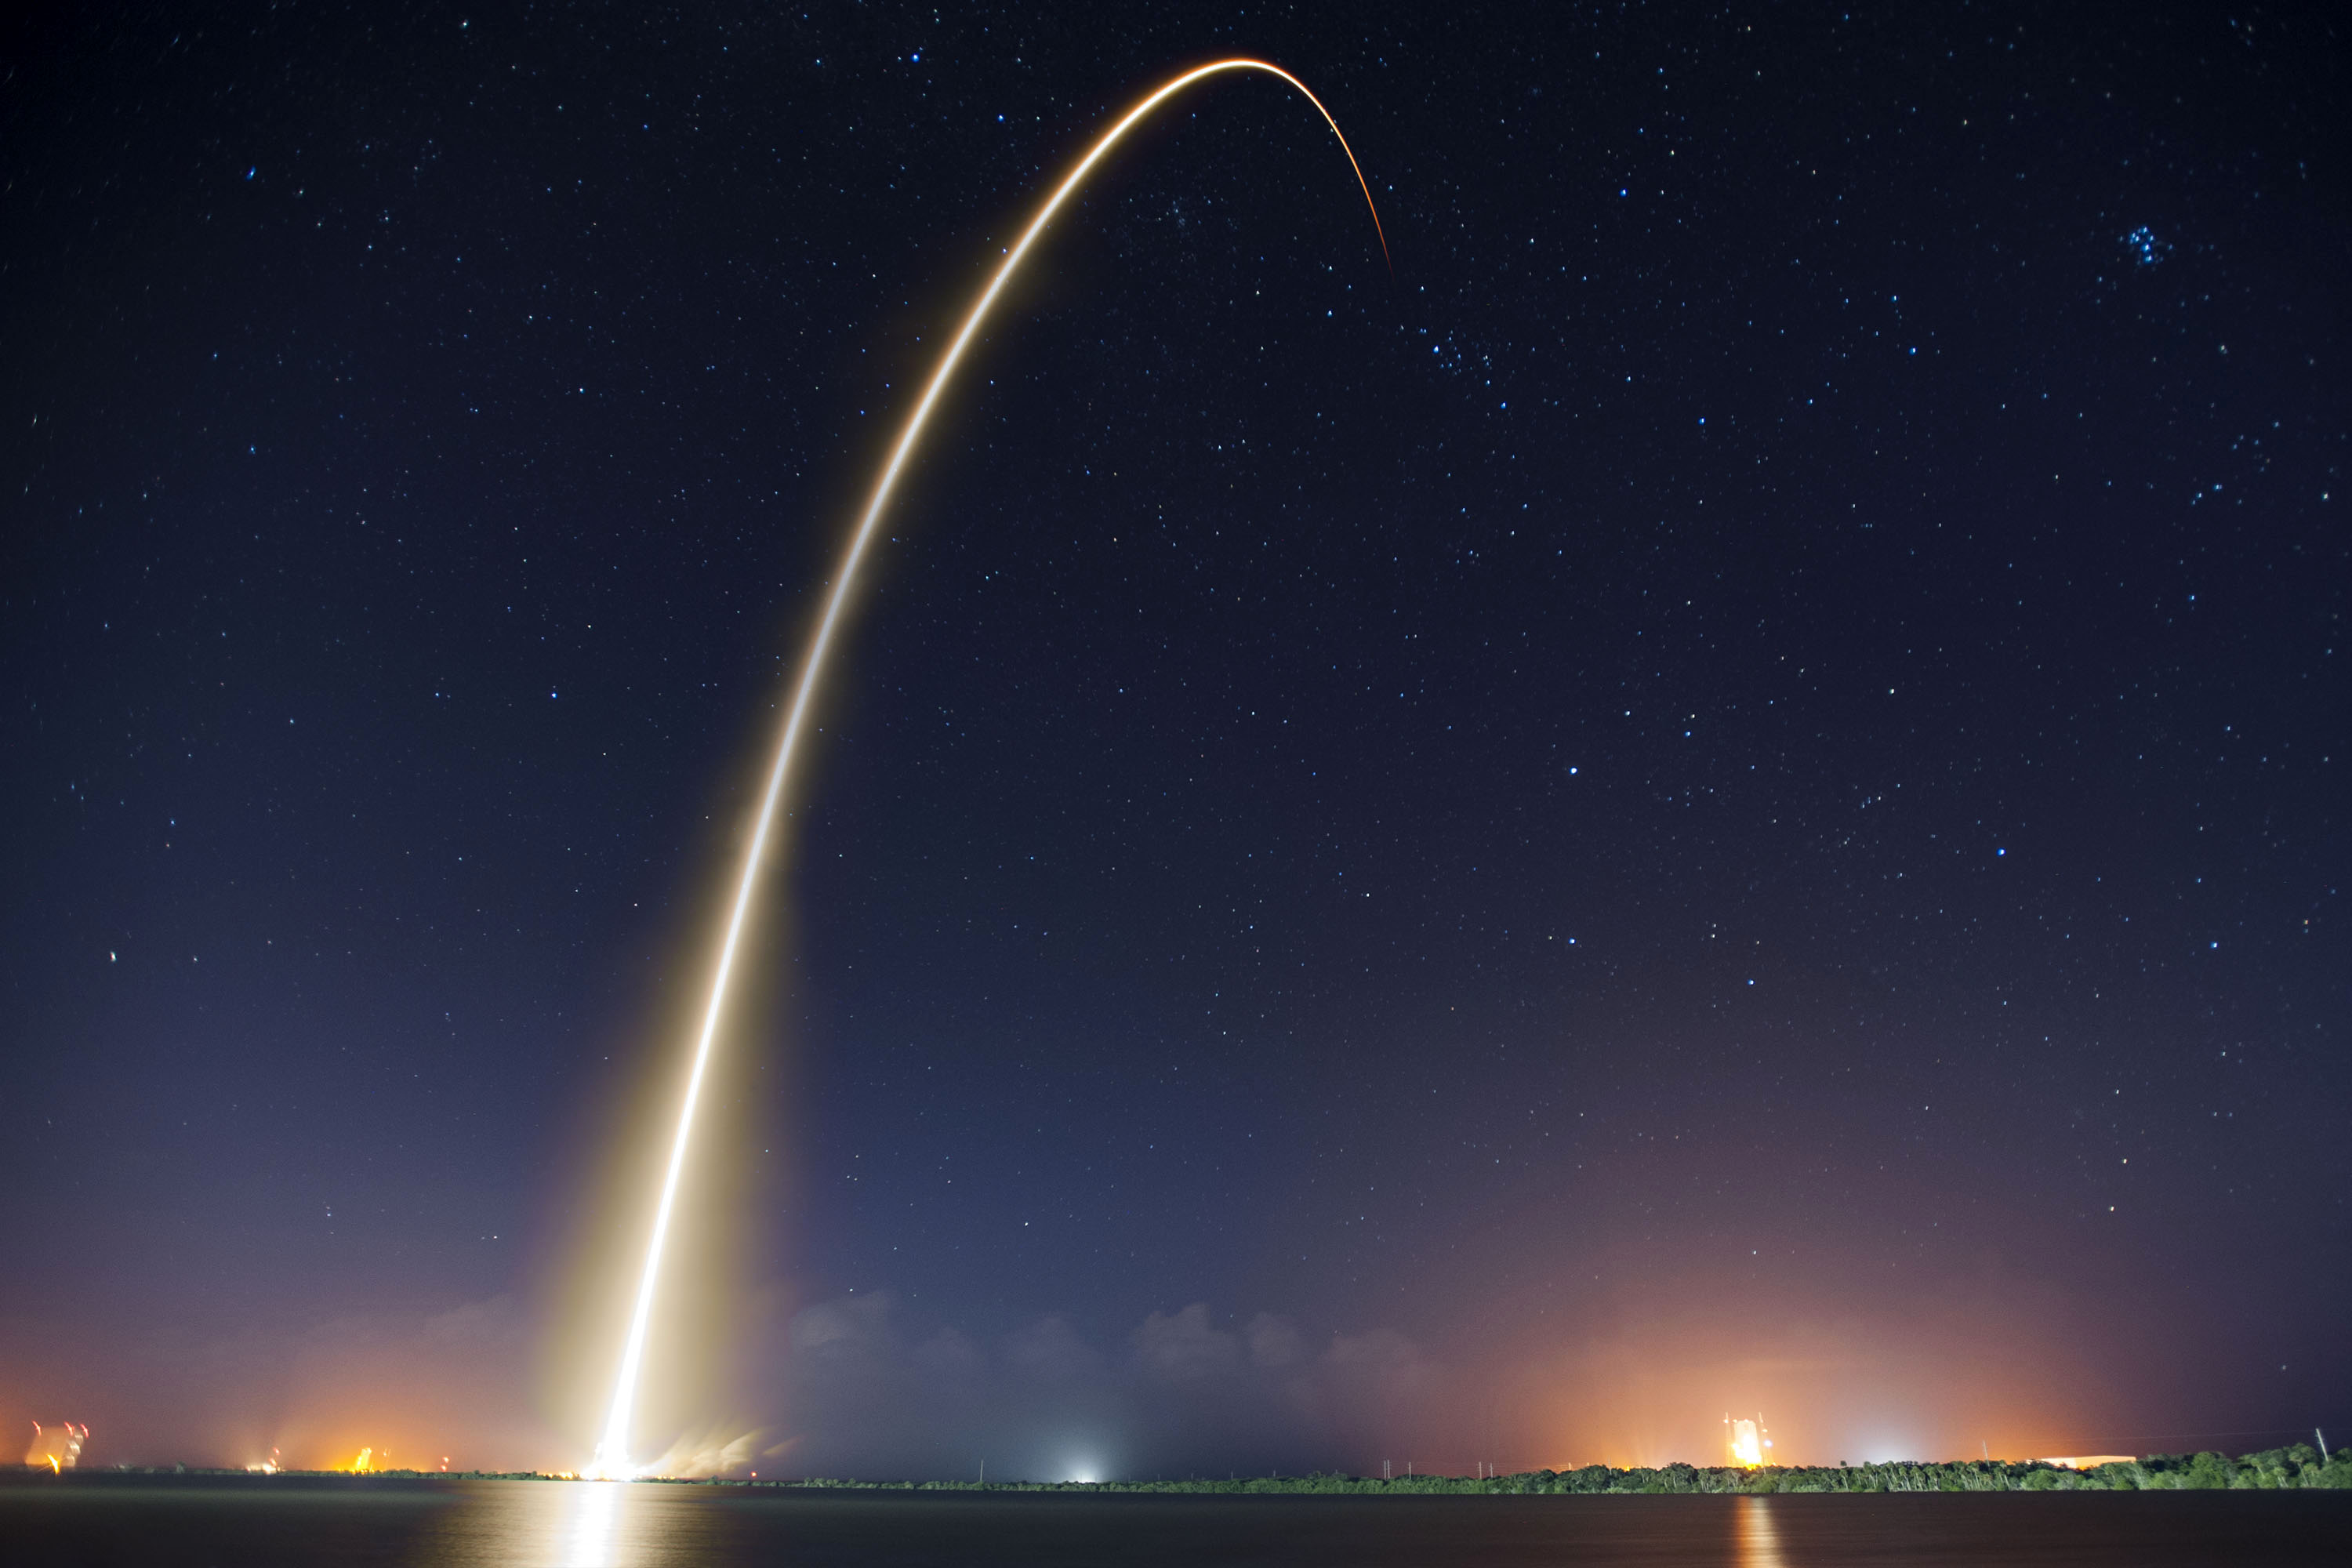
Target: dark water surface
{"points": [[588, 1525]]}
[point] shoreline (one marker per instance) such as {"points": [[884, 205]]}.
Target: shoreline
{"points": [[2295, 1468]]}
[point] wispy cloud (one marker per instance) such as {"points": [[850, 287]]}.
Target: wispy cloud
{"points": [[1185, 1389]]}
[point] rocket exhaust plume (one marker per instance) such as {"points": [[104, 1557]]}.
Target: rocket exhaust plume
{"points": [[59, 1446], [611, 1460]]}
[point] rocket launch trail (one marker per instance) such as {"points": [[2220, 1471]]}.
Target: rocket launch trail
{"points": [[611, 1459]]}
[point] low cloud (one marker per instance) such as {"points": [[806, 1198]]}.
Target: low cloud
{"points": [[1272, 1341], [1183, 1392], [1052, 1349], [1183, 1347]]}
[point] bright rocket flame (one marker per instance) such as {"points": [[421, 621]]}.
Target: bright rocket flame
{"points": [[59, 1447], [1746, 1441], [364, 1463], [611, 1460]]}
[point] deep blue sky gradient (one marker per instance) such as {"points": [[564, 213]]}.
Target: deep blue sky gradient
{"points": [[1746, 752]]}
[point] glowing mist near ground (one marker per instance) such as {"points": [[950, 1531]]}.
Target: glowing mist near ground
{"points": [[611, 1460]]}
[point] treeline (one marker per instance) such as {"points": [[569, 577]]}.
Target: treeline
{"points": [[2273, 1469]]}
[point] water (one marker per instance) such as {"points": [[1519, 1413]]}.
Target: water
{"points": [[545, 1524]]}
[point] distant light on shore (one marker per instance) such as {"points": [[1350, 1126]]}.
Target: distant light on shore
{"points": [[2089, 1461]]}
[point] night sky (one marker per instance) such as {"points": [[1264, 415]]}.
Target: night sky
{"points": [[1725, 793]]}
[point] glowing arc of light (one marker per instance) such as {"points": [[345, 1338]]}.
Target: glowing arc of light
{"points": [[611, 1450]]}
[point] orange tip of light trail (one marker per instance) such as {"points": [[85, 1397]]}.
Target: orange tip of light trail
{"points": [[1242, 62], [611, 1459]]}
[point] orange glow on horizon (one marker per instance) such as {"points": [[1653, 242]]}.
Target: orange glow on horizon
{"points": [[1842, 1378], [2089, 1461]]}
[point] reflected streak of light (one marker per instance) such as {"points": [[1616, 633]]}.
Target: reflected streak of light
{"points": [[1757, 1538], [612, 1450], [588, 1532]]}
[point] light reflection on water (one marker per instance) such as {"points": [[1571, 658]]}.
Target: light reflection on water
{"points": [[561, 1524], [620, 1524], [589, 1532], [610, 1524], [1757, 1539]]}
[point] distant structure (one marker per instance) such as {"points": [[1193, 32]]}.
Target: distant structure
{"points": [[57, 1447], [1746, 1441]]}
